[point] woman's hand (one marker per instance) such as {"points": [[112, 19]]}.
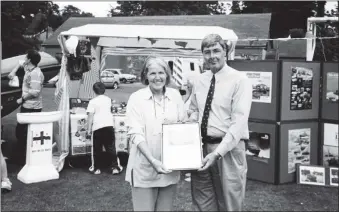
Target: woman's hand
{"points": [[159, 167]]}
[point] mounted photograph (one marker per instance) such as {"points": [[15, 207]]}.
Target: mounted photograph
{"points": [[334, 176], [261, 86], [332, 92], [301, 88], [312, 175], [330, 156], [258, 146], [298, 147]]}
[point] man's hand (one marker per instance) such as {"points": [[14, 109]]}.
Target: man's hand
{"points": [[19, 101], [208, 161], [11, 75], [159, 167]]}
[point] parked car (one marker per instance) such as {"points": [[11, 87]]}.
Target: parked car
{"points": [[49, 66], [124, 78], [109, 79]]}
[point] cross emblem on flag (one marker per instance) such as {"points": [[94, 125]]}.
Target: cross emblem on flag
{"points": [[41, 138]]}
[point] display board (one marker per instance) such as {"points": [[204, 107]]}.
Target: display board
{"points": [[298, 145], [330, 92], [300, 90], [264, 76], [261, 152], [329, 144]]}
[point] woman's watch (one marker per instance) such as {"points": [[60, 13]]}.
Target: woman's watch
{"points": [[23, 100]]}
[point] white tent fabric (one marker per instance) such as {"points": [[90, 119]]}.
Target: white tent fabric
{"points": [[151, 31]]}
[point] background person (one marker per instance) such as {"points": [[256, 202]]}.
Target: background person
{"points": [[100, 122], [221, 101], [31, 99], [153, 186]]}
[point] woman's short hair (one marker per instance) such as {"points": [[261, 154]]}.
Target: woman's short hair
{"points": [[99, 88], [154, 59]]}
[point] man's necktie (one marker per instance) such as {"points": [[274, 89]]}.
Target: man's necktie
{"points": [[207, 108]]}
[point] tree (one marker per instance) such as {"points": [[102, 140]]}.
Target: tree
{"points": [[151, 8], [72, 11], [236, 7], [22, 19]]}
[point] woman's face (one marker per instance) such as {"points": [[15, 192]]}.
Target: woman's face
{"points": [[156, 76]]}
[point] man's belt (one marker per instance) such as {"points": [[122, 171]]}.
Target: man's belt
{"points": [[211, 140]]}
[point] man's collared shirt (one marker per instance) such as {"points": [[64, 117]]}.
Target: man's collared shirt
{"points": [[32, 84], [230, 106]]}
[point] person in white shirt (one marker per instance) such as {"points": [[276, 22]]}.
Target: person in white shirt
{"points": [[221, 102], [153, 186], [100, 122]]}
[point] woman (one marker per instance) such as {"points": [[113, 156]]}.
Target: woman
{"points": [[153, 186]]}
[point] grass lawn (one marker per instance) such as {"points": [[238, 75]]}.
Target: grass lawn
{"points": [[79, 190]]}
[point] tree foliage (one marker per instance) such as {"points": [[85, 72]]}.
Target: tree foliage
{"points": [[151, 8], [21, 18]]}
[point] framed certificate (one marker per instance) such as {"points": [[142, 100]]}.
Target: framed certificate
{"points": [[181, 146]]}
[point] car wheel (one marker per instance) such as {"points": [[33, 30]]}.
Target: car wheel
{"points": [[124, 80], [115, 85]]}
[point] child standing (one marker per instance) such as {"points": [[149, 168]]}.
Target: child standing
{"points": [[100, 122]]}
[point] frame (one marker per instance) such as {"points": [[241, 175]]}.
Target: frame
{"points": [[333, 176], [311, 175], [181, 146]]}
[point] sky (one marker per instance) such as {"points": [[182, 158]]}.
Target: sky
{"points": [[101, 8]]}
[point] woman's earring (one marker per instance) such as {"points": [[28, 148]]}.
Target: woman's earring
{"points": [[146, 82]]}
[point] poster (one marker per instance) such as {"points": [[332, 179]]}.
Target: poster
{"points": [[258, 146], [331, 134], [298, 148], [332, 92], [330, 156], [261, 86], [80, 144], [301, 88]]}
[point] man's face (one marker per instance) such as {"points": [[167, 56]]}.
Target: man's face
{"points": [[214, 57], [27, 61]]}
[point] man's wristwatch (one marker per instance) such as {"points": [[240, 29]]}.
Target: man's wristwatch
{"points": [[23, 100]]}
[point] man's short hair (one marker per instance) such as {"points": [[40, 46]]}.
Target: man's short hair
{"points": [[33, 56], [99, 88], [154, 59], [211, 40]]}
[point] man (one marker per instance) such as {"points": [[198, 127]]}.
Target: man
{"points": [[31, 99], [221, 102]]}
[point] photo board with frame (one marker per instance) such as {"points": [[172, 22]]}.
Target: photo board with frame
{"points": [[300, 90], [330, 103], [307, 133], [317, 175], [266, 109]]}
